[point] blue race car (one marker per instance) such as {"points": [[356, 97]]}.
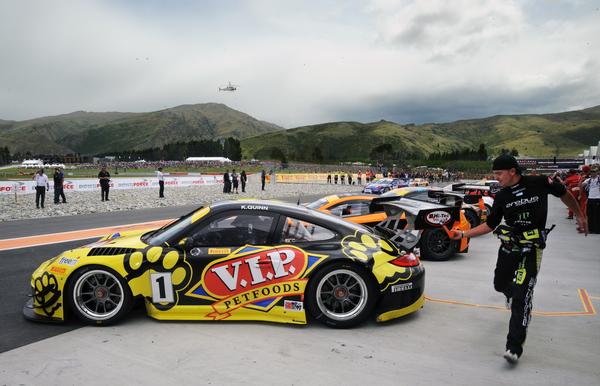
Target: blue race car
{"points": [[385, 185]]}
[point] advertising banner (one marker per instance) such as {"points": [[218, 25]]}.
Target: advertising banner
{"points": [[88, 185]]}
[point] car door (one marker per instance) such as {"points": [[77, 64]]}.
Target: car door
{"points": [[225, 236]]}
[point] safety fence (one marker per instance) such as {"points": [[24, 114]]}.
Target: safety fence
{"points": [[87, 185], [317, 177]]}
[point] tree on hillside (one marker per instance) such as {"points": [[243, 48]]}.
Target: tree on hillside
{"points": [[232, 149], [4, 156], [277, 154], [317, 155], [482, 152], [381, 152]]}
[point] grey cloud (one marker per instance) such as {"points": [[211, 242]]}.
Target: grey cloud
{"points": [[470, 102]]}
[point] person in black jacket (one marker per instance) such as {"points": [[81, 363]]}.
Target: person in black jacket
{"points": [[59, 192], [243, 180], [226, 182], [104, 177], [523, 203]]}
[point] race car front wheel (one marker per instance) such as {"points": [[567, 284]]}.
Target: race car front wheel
{"points": [[98, 295], [341, 296]]}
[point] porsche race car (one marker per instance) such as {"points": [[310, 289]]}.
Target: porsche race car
{"points": [[434, 243], [384, 185], [242, 260]]}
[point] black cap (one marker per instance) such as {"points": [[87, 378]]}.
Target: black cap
{"points": [[506, 162]]}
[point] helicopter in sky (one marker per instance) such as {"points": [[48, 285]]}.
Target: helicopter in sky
{"points": [[229, 87]]}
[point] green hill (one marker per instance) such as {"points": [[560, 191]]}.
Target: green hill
{"points": [[93, 133], [562, 134]]}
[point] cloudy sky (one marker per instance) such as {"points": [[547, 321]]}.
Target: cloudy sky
{"points": [[301, 62]]}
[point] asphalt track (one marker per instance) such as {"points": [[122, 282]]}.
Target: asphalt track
{"points": [[457, 338]]}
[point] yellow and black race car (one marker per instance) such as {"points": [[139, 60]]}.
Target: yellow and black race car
{"points": [[243, 260], [435, 243]]}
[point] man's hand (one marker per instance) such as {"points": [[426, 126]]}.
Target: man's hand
{"points": [[454, 234]]}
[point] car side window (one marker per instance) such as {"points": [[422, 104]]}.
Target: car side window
{"points": [[234, 230], [350, 208], [295, 230]]}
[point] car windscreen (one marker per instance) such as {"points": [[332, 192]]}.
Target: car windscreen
{"points": [[383, 181], [160, 236], [317, 204]]}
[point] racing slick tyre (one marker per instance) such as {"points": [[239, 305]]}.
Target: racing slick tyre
{"points": [[488, 209], [436, 245], [341, 295], [98, 295], [472, 217]]}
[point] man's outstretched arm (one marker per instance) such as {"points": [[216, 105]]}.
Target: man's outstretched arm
{"points": [[479, 230]]}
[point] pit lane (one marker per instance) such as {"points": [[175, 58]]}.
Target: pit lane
{"points": [[458, 341]]}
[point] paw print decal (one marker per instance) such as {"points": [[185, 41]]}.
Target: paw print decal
{"points": [[378, 254], [158, 259], [46, 293]]}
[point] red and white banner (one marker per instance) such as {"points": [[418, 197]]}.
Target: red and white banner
{"points": [[77, 185]]}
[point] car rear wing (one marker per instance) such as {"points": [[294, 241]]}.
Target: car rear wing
{"points": [[406, 218], [486, 190], [440, 197]]}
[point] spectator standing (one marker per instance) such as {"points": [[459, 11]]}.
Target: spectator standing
{"points": [[592, 187], [161, 182], [263, 176], [59, 193], [226, 182], [41, 186], [585, 174], [243, 180], [329, 178], [104, 177], [235, 182], [349, 179], [572, 183], [359, 177], [335, 178], [342, 177]]}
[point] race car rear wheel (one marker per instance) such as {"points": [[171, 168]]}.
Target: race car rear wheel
{"points": [[341, 295], [488, 209], [98, 295], [436, 245], [472, 217]]}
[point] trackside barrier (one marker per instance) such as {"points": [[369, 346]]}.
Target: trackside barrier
{"points": [[88, 185], [316, 177]]}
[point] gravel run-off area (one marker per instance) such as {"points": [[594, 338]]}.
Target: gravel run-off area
{"points": [[122, 200]]}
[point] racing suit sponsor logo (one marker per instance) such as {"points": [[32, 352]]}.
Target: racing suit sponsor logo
{"points": [[523, 201]]}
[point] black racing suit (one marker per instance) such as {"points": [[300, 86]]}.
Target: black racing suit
{"points": [[524, 207]]}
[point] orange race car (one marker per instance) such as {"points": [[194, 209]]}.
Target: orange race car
{"points": [[364, 209]]}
